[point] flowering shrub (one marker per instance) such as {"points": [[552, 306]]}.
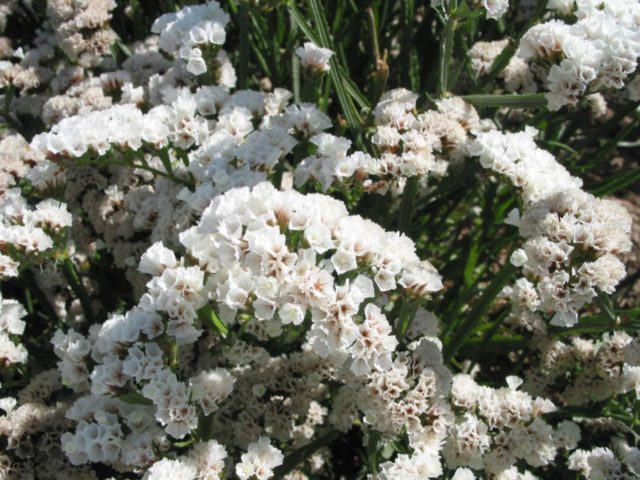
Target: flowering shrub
{"points": [[306, 240]]}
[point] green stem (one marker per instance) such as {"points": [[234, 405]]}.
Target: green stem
{"points": [[309, 87], [243, 61], [406, 205], [460, 335], [32, 285], [446, 51], [298, 456], [173, 355], [71, 274], [407, 313], [372, 452], [532, 100]]}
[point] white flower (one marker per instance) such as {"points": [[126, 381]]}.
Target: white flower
{"points": [[374, 343], [259, 461], [156, 259], [166, 469], [314, 58], [209, 458], [518, 258], [210, 387]]}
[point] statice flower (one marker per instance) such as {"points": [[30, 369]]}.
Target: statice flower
{"points": [[167, 469], [599, 51], [11, 326], [28, 235], [313, 58], [409, 145], [591, 370], [500, 426], [560, 223], [192, 32], [518, 75], [82, 28], [259, 461]]}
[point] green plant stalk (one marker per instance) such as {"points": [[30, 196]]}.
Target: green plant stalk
{"points": [[446, 52], [243, 61], [407, 313], [488, 336], [32, 286], [406, 205], [174, 348], [310, 84], [292, 460], [533, 100], [372, 452], [70, 273], [478, 310]]}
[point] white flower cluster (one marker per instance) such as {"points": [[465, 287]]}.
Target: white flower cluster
{"points": [[123, 126], [601, 463], [11, 326], [259, 461], [233, 140], [28, 234], [82, 28], [273, 260], [277, 255], [599, 51], [411, 397], [16, 159], [518, 75], [409, 145], [590, 370], [191, 32], [499, 427], [572, 237], [313, 58], [222, 309], [73, 350], [206, 461]]}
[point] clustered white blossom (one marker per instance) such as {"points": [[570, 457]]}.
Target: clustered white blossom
{"points": [[498, 427], [603, 462], [572, 237], [191, 32], [591, 370], [11, 327], [409, 145], [262, 318], [518, 75], [28, 234], [82, 28], [313, 58], [599, 51], [272, 260]]}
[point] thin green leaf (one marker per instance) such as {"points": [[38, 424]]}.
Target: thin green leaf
{"points": [[534, 100]]}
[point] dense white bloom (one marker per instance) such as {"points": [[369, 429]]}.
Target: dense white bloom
{"points": [[599, 51], [209, 388], [559, 222], [314, 58], [209, 458], [374, 343], [259, 461], [167, 469], [186, 32], [156, 259], [495, 8], [422, 464]]}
